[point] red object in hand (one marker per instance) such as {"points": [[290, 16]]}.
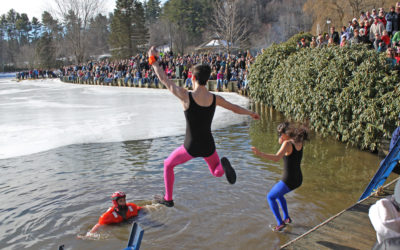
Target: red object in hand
{"points": [[152, 59]]}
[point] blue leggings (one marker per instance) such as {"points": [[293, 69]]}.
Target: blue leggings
{"points": [[277, 192]]}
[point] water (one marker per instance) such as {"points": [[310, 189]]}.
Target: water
{"points": [[65, 148]]}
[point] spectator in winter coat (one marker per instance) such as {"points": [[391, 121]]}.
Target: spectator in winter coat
{"points": [[331, 43], [220, 79], [385, 38], [391, 21], [382, 18], [363, 37], [302, 43], [344, 33], [390, 59], [396, 37], [313, 43], [344, 41], [335, 35], [356, 38], [321, 42], [368, 16], [227, 76], [376, 29], [396, 23], [379, 45], [374, 13], [362, 26], [362, 16], [354, 24]]}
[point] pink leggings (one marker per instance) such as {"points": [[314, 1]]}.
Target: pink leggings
{"points": [[180, 156]]}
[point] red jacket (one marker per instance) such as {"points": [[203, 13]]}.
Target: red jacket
{"points": [[386, 39], [111, 216]]}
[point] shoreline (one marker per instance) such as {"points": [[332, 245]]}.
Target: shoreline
{"points": [[211, 84]]}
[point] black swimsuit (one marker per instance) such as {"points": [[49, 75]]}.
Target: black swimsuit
{"points": [[292, 175], [199, 141]]}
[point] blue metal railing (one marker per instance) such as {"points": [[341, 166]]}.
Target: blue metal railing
{"points": [[135, 239]]}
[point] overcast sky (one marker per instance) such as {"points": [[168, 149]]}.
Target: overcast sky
{"points": [[35, 8]]}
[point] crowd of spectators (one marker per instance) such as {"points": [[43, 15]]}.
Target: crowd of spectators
{"points": [[36, 74], [225, 68], [377, 28]]}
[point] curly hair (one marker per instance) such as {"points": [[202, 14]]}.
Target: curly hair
{"points": [[299, 134]]}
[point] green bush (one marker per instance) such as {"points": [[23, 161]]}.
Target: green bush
{"points": [[348, 93], [262, 70]]}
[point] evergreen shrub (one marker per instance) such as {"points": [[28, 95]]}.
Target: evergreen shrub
{"points": [[350, 93]]}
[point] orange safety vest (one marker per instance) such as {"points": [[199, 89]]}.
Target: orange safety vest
{"points": [[111, 216]]}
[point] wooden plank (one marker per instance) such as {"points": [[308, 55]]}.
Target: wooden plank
{"points": [[348, 230]]}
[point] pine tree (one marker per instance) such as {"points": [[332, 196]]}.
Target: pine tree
{"points": [[129, 35], [140, 34], [152, 10], [50, 24], [3, 43], [98, 35], [45, 51], [74, 35], [12, 37], [36, 26], [190, 18], [121, 29], [23, 27]]}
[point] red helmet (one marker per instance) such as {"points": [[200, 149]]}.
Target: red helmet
{"points": [[115, 196]]}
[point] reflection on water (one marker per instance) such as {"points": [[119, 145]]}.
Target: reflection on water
{"points": [[50, 197]]}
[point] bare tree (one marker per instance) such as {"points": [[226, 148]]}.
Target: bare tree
{"points": [[228, 25], [179, 38], [159, 32], [335, 10], [379, 3], [338, 8], [76, 16], [356, 6], [27, 57]]}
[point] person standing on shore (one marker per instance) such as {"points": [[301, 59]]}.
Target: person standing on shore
{"points": [[292, 140], [199, 107]]}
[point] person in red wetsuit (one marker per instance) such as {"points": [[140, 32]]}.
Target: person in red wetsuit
{"points": [[119, 212]]}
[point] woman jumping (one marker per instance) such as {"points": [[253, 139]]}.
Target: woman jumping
{"points": [[199, 107], [291, 151]]}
